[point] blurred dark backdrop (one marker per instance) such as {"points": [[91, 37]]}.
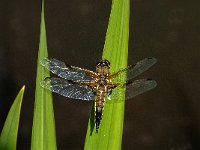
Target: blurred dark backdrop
{"points": [[167, 118]]}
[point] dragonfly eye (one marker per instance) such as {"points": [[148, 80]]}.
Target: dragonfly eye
{"points": [[103, 63], [107, 62], [98, 63]]}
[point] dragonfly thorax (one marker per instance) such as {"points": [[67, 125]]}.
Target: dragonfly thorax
{"points": [[102, 81]]}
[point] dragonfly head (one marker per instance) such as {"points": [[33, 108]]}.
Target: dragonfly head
{"points": [[103, 67]]}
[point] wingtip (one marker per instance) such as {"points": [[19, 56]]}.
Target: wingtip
{"points": [[43, 83], [43, 61], [153, 59], [153, 81]]}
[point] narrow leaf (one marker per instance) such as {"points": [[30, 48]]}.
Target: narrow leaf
{"points": [[43, 130], [8, 139], [116, 51]]}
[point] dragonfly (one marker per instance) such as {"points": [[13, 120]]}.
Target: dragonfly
{"points": [[78, 83]]}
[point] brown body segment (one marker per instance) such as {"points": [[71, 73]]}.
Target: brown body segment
{"points": [[99, 104], [102, 86]]}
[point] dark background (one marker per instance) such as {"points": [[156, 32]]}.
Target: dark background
{"points": [[167, 118]]}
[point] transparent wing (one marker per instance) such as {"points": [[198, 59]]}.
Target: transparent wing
{"points": [[139, 86], [134, 70], [68, 89], [133, 89], [66, 71]]}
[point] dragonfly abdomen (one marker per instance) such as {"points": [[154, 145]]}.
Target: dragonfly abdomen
{"points": [[99, 105]]}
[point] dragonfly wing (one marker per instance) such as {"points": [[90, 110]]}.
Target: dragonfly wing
{"points": [[66, 71], [134, 70], [133, 89], [139, 86], [68, 89]]}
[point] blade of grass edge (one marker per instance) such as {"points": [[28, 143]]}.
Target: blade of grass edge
{"points": [[8, 139], [116, 51], [43, 130]]}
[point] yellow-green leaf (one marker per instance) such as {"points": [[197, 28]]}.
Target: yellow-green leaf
{"points": [[115, 50], [43, 130], [8, 139]]}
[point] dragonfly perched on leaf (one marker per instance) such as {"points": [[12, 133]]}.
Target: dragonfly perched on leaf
{"points": [[83, 84]]}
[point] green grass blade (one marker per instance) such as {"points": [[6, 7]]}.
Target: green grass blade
{"points": [[43, 130], [115, 50], [8, 139]]}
